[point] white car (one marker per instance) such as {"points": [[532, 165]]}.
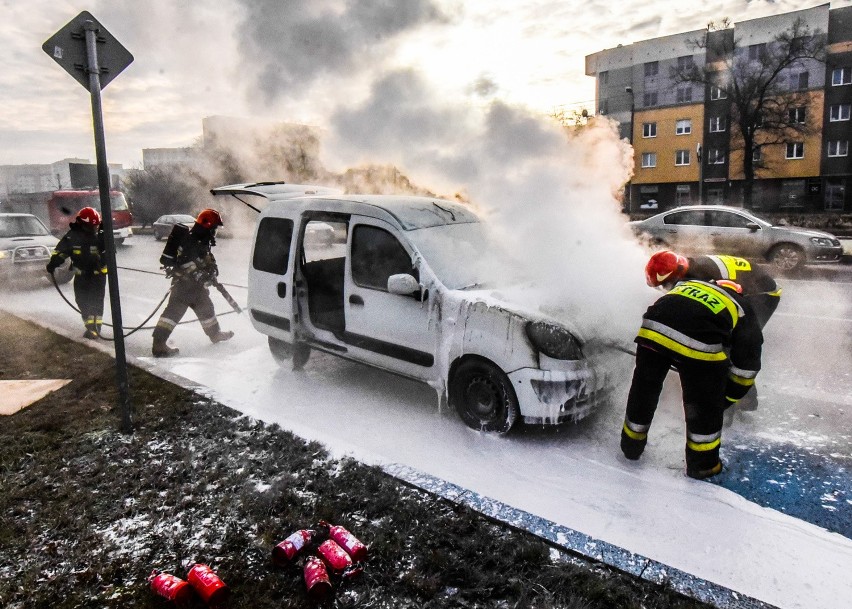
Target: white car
{"points": [[25, 248], [402, 293]]}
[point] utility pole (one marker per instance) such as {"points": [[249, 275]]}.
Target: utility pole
{"points": [[698, 153], [629, 90]]}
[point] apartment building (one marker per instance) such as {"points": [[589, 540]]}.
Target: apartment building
{"points": [[688, 145]]}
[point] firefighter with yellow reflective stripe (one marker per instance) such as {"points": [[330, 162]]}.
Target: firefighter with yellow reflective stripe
{"points": [[84, 244], [760, 290], [703, 330]]}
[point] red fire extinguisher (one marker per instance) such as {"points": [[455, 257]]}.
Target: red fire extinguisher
{"points": [[210, 588], [334, 556], [287, 550], [170, 587], [316, 578], [350, 543]]}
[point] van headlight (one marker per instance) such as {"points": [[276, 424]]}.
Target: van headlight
{"points": [[553, 341]]}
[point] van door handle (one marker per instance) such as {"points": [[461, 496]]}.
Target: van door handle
{"points": [[356, 300], [282, 289]]}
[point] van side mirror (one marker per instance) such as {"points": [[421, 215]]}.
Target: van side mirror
{"points": [[403, 284], [753, 226]]}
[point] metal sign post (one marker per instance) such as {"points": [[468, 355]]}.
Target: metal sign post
{"points": [[75, 48]]}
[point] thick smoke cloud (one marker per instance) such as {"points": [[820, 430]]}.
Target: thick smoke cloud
{"points": [[298, 42]]}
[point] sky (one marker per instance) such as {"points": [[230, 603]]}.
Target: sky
{"points": [[311, 61]]}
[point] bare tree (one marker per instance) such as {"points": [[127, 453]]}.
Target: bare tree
{"points": [[160, 190], [768, 98]]}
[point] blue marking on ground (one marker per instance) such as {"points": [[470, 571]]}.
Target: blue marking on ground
{"points": [[813, 487]]}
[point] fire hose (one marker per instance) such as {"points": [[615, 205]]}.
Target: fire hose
{"points": [[221, 288]]}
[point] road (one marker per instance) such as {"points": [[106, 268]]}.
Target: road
{"points": [[791, 455]]}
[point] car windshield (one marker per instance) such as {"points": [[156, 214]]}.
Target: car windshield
{"points": [[116, 200], [463, 255], [22, 226]]}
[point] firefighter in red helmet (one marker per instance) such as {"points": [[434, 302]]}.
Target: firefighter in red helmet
{"points": [[84, 244], [188, 259], [665, 268], [702, 330]]}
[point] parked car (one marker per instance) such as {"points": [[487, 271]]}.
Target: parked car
{"points": [[25, 247], [729, 230], [163, 225], [404, 292]]}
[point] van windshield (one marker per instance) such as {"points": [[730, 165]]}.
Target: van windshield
{"points": [[464, 255]]}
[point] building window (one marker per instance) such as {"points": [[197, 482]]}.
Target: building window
{"points": [[717, 124], [756, 51], [681, 157], [757, 154], [717, 93], [684, 62], [839, 112], [838, 148], [716, 157], [796, 115], [603, 78], [799, 81], [683, 194], [650, 98], [684, 94], [649, 129], [683, 126], [839, 76], [649, 159], [796, 150], [604, 107], [835, 195], [652, 68]]}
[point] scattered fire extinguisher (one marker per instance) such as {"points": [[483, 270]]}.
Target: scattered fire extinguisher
{"points": [[350, 543], [289, 549], [207, 584], [170, 587], [316, 578], [334, 556]]}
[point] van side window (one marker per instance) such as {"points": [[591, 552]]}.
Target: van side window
{"points": [[376, 255], [272, 246]]}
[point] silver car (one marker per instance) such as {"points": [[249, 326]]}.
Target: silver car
{"points": [[25, 247], [164, 224], [705, 229]]}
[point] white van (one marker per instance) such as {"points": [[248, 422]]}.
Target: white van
{"points": [[399, 287]]}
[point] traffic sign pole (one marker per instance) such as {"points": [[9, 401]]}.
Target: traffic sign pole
{"points": [[106, 209]]}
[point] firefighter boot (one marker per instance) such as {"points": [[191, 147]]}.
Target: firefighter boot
{"points": [[633, 447], [161, 349], [700, 474], [220, 336], [91, 328]]}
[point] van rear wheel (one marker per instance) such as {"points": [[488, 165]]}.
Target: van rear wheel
{"points": [[282, 352], [483, 396]]}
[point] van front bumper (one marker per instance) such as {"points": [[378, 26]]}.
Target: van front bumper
{"points": [[548, 397]]}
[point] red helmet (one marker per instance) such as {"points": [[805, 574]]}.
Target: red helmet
{"points": [[209, 218], [664, 267], [89, 216]]}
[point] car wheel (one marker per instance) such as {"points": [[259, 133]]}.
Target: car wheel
{"points": [[787, 257], [119, 241], [282, 352], [157, 236], [483, 396]]}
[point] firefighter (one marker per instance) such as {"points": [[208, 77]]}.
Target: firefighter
{"points": [[84, 244], [189, 262], [703, 330], [666, 268]]}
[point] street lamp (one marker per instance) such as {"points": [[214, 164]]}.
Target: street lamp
{"points": [[698, 153]]}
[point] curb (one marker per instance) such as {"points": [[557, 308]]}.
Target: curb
{"points": [[580, 544]]}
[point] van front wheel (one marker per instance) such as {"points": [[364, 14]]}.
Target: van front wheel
{"points": [[483, 396]]}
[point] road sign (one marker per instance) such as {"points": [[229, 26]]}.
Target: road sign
{"points": [[68, 49]]}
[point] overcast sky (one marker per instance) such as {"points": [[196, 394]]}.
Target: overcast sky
{"points": [[306, 60]]}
